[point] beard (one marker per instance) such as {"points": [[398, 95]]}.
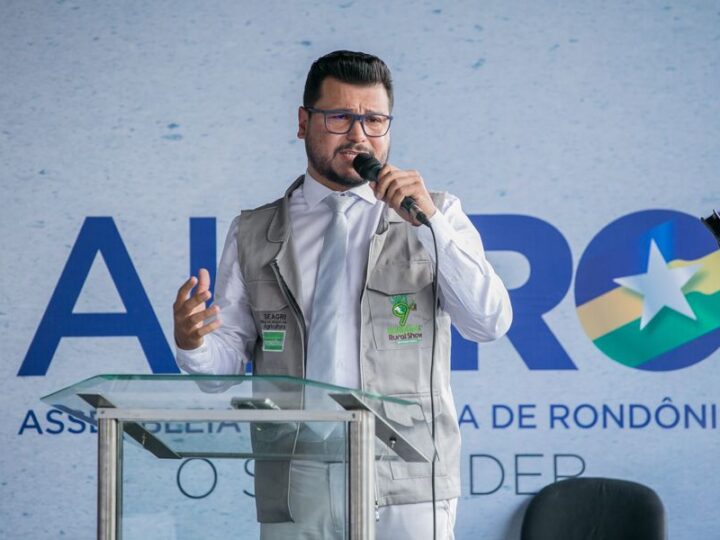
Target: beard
{"points": [[323, 166]]}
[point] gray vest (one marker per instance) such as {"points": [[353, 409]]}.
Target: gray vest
{"points": [[395, 354]]}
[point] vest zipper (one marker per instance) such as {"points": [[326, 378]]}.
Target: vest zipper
{"points": [[296, 309], [368, 271], [303, 335]]}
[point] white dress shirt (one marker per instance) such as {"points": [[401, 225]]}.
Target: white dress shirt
{"points": [[468, 288]]}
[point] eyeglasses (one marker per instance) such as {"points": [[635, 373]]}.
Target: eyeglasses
{"points": [[341, 121]]}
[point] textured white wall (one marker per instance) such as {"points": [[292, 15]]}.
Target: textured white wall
{"points": [[155, 112]]}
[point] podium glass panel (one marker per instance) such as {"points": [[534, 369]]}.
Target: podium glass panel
{"points": [[209, 455], [187, 499]]}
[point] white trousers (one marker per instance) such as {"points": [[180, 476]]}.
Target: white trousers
{"points": [[317, 503]]}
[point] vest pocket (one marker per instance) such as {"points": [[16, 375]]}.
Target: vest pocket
{"points": [[413, 423], [274, 322], [401, 305], [265, 295]]}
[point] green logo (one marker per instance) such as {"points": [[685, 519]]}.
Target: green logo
{"points": [[273, 340], [401, 308], [403, 333]]}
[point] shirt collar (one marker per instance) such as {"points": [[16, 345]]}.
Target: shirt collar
{"points": [[314, 192]]}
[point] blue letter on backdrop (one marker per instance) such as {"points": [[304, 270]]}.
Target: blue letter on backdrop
{"points": [[98, 234], [550, 260], [203, 253]]}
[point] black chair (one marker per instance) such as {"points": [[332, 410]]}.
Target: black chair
{"points": [[594, 509]]}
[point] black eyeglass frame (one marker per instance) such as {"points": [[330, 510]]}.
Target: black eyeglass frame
{"points": [[355, 118]]}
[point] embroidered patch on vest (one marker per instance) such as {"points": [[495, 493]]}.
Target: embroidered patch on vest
{"points": [[273, 340], [403, 333]]}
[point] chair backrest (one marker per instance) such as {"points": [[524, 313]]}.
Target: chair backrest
{"points": [[594, 509]]}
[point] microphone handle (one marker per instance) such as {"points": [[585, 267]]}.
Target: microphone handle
{"points": [[369, 169], [409, 205]]}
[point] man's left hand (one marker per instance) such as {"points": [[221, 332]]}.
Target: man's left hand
{"points": [[394, 185]]}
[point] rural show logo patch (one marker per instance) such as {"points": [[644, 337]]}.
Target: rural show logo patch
{"points": [[403, 333]]}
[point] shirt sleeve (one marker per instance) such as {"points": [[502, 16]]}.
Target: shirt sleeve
{"points": [[227, 350], [469, 289]]}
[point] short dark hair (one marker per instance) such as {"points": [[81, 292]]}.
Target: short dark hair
{"points": [[348, 67]]}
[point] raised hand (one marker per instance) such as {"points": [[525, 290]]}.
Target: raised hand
{"points": [[190, 312]]}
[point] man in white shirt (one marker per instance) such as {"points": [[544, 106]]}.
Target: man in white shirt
{"points": [[276, 251]]}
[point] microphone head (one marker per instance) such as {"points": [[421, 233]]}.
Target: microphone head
{"points": [[367, 167]]}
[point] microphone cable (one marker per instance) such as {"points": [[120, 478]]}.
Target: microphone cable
{"points": [[432, 373], [368, 168]]}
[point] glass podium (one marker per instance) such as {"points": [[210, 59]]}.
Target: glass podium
{"points": [[193, 439]]}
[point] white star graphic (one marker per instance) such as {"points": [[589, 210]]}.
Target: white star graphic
{"points": [[660, 286]]}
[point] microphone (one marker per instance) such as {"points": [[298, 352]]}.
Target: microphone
{"points": [[712, 222], [368, 168]]}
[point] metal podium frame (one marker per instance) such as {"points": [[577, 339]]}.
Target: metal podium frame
{"points": [[360, 446], [124, 404]]}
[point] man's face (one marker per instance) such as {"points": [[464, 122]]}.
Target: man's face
{"points": [[330, 156]]}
